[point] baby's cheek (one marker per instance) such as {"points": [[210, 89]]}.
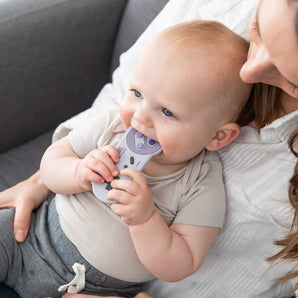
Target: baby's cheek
{"points": [[168, 147]]}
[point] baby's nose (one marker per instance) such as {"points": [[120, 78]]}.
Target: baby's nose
{"points": [[143, 117]]}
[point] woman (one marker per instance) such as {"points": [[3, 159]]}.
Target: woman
{"points": [[270, 62]]}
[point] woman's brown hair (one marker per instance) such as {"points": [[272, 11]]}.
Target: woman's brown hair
{"points": [[289, 243], [262, 106]]}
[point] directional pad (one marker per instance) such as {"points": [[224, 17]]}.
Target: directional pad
{"points": [[108, 186]]}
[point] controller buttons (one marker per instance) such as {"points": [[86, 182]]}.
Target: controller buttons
{"points": [[125, 166], [140, 146], [132, 160], [151, 142], [108, 186], [139, 140]]}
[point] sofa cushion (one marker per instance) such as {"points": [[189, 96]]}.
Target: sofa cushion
{"points": [[19, 163], [54, 58], [137, 16]]}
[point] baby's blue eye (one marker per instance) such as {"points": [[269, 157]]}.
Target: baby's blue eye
{"points": [[138, 94], [167, 113]]}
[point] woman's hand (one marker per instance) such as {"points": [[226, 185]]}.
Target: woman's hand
{"points": [[25, 197], [140, 295]]}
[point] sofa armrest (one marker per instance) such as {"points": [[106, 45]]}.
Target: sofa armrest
{"points": [[54, 58]]}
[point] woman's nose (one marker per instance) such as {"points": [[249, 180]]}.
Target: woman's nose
{"points": [[258, 67]]}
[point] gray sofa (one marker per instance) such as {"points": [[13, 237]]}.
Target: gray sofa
{"points": [[55, 56]]}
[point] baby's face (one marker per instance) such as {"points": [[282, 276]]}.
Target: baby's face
{"points": [[170, 102]]}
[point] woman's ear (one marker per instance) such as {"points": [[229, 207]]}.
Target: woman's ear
{"points": [[224, 135]]}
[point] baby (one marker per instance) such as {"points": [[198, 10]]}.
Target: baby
{"points": [[186, 94]]}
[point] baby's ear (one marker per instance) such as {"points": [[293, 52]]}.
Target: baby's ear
{"points": [[224, 135]]}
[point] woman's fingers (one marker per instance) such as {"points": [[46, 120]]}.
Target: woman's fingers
{"points": [[25, 197], [22, 221]]}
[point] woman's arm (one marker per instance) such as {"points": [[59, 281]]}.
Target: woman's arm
{"points": [[25, 197]]}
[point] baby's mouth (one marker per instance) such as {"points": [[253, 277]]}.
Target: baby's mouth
{"points": [[143, 130]]}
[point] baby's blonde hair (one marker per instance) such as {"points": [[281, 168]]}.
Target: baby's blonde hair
{"points": [[209, 40]]}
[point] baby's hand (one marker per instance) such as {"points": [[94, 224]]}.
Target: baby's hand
{"points": [[98, 166], [135, 199]]}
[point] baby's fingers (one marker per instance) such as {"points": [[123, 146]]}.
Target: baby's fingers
{"points": [[126, 185], [112, 152], [102, 163], [122, 197], [135, 175], [89, 175]]}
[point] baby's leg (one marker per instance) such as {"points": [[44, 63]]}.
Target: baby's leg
{"points": [[9, 251], [42, 263], [32, 268]]}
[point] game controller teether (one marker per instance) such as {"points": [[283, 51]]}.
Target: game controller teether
{"points": [[135, 151]]}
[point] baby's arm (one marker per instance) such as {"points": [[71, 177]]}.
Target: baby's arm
{"points": [[174, 253], [64, 172], [170, 253]]}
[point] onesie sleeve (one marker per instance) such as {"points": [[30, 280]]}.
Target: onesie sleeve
{"points": [[98, 131], [203, 196]]}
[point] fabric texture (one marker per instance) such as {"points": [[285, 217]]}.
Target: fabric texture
{"points": [[18, 163]]}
